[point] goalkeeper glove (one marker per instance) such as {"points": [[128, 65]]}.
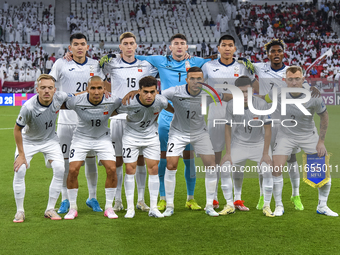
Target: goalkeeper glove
{"points": [[249, 65], [106, 59]]}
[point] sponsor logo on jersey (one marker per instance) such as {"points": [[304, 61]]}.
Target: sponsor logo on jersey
{"points": [[106, 113], [38, 115], [216, 70], [137, 111], [71, 69], [187, 65], [83, 109]]}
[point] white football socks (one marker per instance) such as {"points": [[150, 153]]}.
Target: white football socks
{"points": [[110, 195], [119, 171], [56, 183], [277, 189], [210, 187], [64, 194], [267, 182], [170, 184], [91, 173], [294, 176], [72, 195], [141, 179], [129, 184], [153, 190], [238, 181], [323, 193], [227, 184], [218, 175], [19, 187]]}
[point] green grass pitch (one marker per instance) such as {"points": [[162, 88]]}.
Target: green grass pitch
{"points": [[189, 232]]}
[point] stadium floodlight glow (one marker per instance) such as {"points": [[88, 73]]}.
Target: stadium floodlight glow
{"points": [[238, 100]]}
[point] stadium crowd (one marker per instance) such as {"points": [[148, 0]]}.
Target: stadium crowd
{"points": [[18, 23], [305, 28]]}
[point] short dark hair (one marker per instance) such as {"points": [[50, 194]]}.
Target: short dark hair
{"points": [[194, 69], [180, 36], [77, 36], [147, 81], [226, 37], [243, 81]]}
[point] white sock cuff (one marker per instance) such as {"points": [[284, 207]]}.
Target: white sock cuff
{"points": [[153, 177], [278, 178], [129, 177]]}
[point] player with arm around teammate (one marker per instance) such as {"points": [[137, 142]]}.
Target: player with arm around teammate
{"points": [[92, 135], [35, 132], [125, 73], [224, 71], [141, 135], [173, 72], [303, 135], [72, 77], [188, 127]]}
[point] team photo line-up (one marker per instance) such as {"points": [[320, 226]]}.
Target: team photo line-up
{"points": [[157, 128]]}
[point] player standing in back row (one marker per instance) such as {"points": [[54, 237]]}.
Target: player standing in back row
{"points": [[72, 77], [224, 71], [125, 73], [173, 72]]}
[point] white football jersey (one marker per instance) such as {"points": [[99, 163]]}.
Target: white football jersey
{"points": [[188, 119], [39, 120], [215, 72], [141, 120], [92, 119], [247, 133], [125, 76], [305, 123], [72, 77], [269, 78]]}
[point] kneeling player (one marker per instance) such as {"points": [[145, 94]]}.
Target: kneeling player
{"points": [[248, 142], [141, 134], [37, 119], [92, 135]]}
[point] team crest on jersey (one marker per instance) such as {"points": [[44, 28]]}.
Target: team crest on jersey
{"points": [[56, 112], [157, 110], [106, 113], [91, 71], [283, 76], [140, 69], [236, 71], [187, 65]]}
